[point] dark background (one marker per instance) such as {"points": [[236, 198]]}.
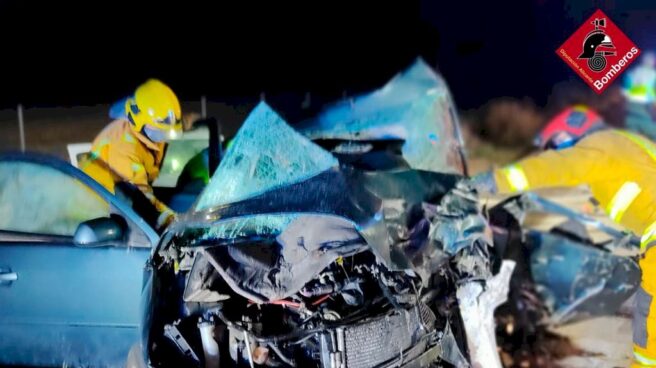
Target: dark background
{"points": [[66, 54]]}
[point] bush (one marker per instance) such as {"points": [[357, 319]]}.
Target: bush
{"points": [[509, 122]]}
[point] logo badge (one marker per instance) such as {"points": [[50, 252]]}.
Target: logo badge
{"points": [[598, 51]]}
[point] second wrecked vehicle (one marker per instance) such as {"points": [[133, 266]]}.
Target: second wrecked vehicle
{"points": [[354, 250], [573, 264]]}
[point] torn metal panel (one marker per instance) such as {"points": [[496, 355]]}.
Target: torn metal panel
{"points": [[580, 263], [268, 270], [477, 304], [578, 281], [450, 351], [540, 204], [459, 229], [546, 209], [410, 225], [459, 232], [200, 282], [415, 107], [409, 216], [424, 235], [313, 213]]}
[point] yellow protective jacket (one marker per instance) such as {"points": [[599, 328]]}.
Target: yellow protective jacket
{"points": [[620, 168], [121, 154]]}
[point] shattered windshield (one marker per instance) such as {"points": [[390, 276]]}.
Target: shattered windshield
{"points": [[415, 106], [266, 153]]}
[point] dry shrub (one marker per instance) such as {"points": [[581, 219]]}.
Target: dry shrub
{"points": [[514, 123], [510, 122]]}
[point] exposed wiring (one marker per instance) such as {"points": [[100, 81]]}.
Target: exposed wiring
{"points": [[287, 303], [283, 302], [320, 300]]}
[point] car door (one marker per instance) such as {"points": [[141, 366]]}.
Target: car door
{"points": [[67, 297]]}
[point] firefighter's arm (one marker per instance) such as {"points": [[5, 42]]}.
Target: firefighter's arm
{"points": [[166, 215], [130, 168], [568, 167]]}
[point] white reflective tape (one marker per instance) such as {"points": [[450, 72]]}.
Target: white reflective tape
{"points": [[643, 359], [516, 177], [622, 200], [648, 236]]}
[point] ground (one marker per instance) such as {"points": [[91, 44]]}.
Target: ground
{"points": [[605, 343]]}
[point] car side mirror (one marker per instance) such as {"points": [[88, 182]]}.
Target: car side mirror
{"points": [[101, 231]]}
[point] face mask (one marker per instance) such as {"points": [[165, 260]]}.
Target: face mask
{"points": [[562, 140], [154, 134]]}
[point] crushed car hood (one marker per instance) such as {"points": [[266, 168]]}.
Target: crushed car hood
{"points": [[269, 246], [278, 211]]}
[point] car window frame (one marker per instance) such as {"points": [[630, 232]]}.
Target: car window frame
{"points": [[65, 168]]}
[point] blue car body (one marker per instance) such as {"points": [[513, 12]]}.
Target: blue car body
{"points": [[66, 304]]}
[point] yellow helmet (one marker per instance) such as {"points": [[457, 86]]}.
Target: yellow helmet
{"points": [[155, 111]]}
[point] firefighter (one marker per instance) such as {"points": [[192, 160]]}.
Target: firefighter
{"points": [[620, 168], [130, 149]]}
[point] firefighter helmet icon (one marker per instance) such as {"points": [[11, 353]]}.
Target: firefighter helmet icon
{"points": [[597, 46], [598, 51]]}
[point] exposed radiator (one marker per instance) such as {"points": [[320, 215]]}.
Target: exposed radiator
{"points": [[374, 342]]}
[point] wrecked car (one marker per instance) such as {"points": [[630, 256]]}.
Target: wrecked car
{"points": [[572, 263], [350, 241], [339, 247]]}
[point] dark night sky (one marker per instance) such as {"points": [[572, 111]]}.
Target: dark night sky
{"points": [[97, 51]]}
